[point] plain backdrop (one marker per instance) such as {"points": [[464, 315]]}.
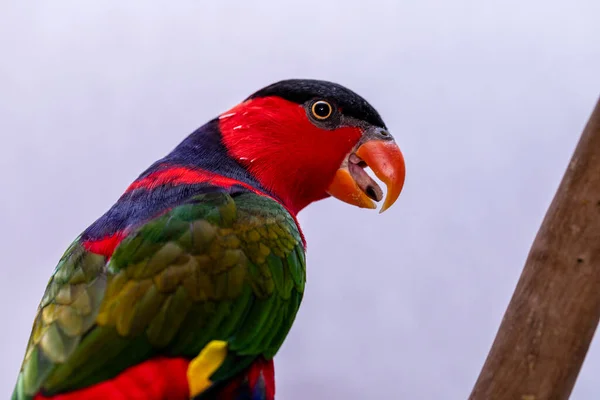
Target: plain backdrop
{"points": [[486, 98]]}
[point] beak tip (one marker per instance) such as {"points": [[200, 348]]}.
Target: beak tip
{"points": [[387, 162], [387, 204], [394, 188]]}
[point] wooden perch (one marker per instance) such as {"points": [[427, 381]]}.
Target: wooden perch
{"points": [[550, 321]]}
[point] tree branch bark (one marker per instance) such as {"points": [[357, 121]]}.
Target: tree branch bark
{"points": [[550, 321]]}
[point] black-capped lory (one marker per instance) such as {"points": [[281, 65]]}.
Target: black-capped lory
{"points": [[189, 284]]}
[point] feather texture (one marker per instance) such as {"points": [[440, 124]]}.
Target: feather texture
{"points": [[215, 267]]}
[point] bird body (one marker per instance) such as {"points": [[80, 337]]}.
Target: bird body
{"points": [[189, 284]]}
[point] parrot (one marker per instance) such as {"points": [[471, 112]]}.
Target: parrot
{"points": [[187, 287]]}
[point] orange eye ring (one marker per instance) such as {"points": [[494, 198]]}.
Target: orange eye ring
{"points": [[321, 110]]}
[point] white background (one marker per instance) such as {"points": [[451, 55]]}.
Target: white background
{"points": [[486, 99]]}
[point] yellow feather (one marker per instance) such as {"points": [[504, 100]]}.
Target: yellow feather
{"points": [[204, 365]]}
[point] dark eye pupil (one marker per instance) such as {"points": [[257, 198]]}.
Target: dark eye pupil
{"points": [[322, 109]]}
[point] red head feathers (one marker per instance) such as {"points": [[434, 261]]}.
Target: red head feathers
{"points": [[304, 140], [297, 141]]}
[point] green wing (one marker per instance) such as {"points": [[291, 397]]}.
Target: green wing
{"points": [[216, 268]]}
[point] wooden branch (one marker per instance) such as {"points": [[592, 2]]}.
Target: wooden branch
{"points": [[550, 321]]}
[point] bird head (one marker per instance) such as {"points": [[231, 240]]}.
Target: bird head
{"points": [[305, 140]]}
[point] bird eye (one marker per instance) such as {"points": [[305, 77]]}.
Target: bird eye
{"points": [[321, 110]]}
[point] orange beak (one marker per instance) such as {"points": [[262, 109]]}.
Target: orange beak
{"points": [[353, 185]]}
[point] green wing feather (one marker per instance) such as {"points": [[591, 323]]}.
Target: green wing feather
{"points": [[216, 268]]}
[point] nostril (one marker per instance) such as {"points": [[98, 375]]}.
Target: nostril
{"points": [[383, 132]]}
